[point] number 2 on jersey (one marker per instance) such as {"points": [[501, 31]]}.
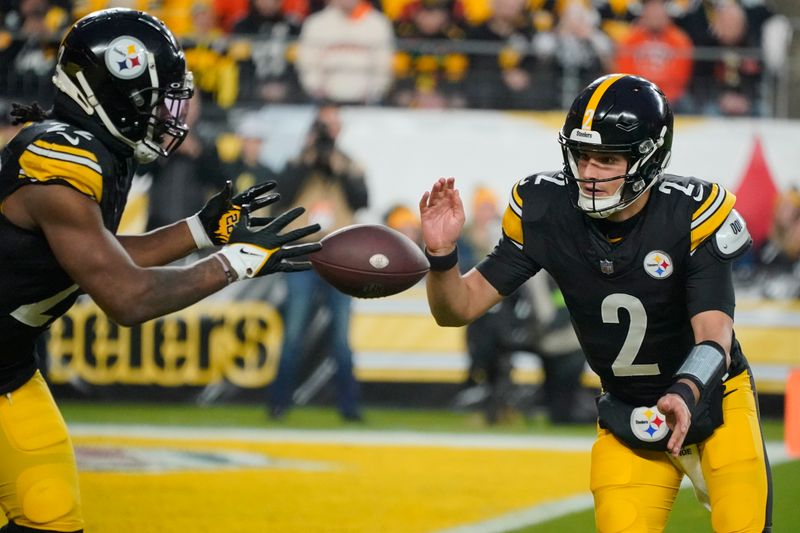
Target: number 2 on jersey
{"points": [[623, 365]]}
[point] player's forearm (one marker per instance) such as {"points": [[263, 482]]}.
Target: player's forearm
{"points": [[448, 298], [160, 246], [714, 326], [154, 292]]}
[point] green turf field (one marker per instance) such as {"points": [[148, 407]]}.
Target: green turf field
{"points": [[687, 517]]}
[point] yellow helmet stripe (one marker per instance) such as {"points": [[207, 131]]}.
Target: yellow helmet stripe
{"points": [[591, 107]]}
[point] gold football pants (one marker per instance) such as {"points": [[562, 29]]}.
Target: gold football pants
{"points": [[634, 490], [38, 474]]}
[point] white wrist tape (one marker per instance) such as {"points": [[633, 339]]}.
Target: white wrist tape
{"points": [[246, 259], [704, 365], [198, 232]]}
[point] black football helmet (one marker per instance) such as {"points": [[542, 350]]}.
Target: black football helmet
{"points": [[126, 71], [619, 114]]}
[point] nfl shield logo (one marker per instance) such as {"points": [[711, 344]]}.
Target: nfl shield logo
{"points": [[606, 266]]}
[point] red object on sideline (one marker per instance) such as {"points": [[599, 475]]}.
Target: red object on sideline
{"points": [[756, 195]]}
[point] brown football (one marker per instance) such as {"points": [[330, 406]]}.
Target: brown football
{"points": [[369, 261]]}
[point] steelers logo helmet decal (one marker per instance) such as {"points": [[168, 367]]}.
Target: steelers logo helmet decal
{"points": [[648, 424], [126, 57], [658, 264]]}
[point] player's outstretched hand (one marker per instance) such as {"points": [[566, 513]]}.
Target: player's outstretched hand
{"points": [[442, 215], [260, 250], [679, 418], [212, 225]]}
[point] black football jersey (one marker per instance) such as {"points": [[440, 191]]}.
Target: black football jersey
{"points": [[630, 302], [34, 289]]}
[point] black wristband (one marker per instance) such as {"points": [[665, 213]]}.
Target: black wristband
{"points": [[684, 391], [442, 263]]}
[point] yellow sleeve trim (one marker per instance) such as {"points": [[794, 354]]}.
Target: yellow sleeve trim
{"points": [[80, 152], [515, 195], [711, 197], [45, 164], [711, 219], [512, 218], [512, 226]]}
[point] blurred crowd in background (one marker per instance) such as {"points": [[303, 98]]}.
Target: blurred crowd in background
{"points": [[710, 56]]}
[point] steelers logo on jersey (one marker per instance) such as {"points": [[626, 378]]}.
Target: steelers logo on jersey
{"points": [[126, 57], [658, 264], [648, 424]]}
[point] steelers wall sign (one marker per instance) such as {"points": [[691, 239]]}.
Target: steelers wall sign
{"points": [[126, 57], [206, 343]]}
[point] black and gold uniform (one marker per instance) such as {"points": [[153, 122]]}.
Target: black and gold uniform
{"points": [[35, 289], [631, 301], [631, 296], [636, 286], [122, 90]]}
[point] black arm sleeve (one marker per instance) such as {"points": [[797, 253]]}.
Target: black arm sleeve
{"points": [[709, 283], [507, 267]]}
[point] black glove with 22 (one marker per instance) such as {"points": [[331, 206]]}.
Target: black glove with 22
{"points": [[212, 225], [260, 250]]}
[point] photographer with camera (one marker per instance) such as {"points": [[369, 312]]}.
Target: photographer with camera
{"points": [[332, 187]]}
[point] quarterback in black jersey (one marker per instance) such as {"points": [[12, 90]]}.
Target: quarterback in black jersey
{"points": [[643, 259], [121, 99]]}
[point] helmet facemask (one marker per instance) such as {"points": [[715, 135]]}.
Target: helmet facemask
{"points": [[166, 125], [641, 174]]}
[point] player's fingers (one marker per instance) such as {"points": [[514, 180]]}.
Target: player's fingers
{"points": [[285, 218], [258, 203], [676, 440], [258, 222], [254, 192], [423, 202], [227, 190], [300, 249], [294, 266], [299, 233]]}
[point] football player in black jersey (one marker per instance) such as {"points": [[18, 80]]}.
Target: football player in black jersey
{"points": [[122, 91], [643, 259]]}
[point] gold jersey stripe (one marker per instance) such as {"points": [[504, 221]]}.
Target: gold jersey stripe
{"points": [[591, 107], [512, 226], [80, 152], [42, 168], [711, 197], [516, 197], [714, 221]]}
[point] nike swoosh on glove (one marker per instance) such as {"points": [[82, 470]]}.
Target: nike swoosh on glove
{"points": [[261, 250], [212, 225]]}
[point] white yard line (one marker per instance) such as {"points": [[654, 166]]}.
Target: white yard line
{"points": [[364, 438], [538, 514]]}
